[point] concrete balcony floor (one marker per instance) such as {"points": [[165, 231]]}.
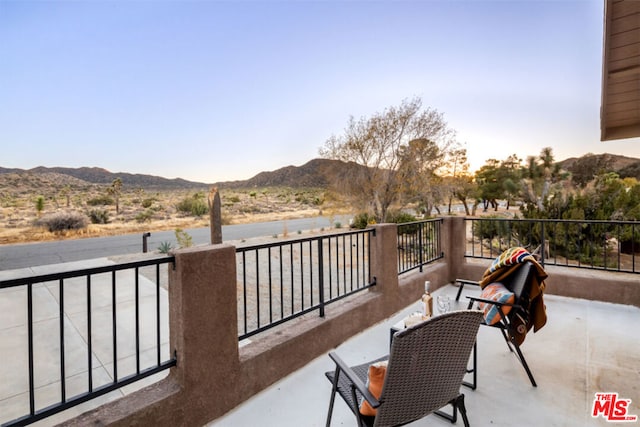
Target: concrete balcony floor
{"points": [[586, 347]]}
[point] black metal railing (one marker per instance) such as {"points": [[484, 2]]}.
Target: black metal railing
{"points": [[75, 335], [418, 244], [281, 281], [603, 245]]}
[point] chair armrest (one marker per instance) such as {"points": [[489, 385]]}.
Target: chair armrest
{"points": [[463, 282], [354, 379], [468, 282], [490, 301]]}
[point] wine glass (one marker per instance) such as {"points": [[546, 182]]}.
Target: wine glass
{"points": [[444, 303]]}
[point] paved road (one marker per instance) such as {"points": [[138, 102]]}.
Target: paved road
{"points": [[31, 254]]}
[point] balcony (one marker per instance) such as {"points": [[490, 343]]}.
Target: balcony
{"points": [[586, 347], [275, 374]]}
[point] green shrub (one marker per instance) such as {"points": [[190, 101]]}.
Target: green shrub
{"points": [[184, 239], [100, 201], [99, 216], [39, 204], [362, 220], [194, 205], [146, 203], [489, 229], [61, 221], [144, 216], [398, 217]]}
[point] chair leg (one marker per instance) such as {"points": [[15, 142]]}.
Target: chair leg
{"points": [[459, 290], [506, 339], [356, 410], [474, 370], [454, 413], [525, 365], [463, 410], [334, 388]]}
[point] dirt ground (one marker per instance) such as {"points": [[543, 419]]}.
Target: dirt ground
{"points": [[142, 210]]}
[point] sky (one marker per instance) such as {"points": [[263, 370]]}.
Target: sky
{"points": [[214, 91]]}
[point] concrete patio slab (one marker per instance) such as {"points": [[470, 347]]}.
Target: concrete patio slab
{"points": [[586, 347], [14, 383]]}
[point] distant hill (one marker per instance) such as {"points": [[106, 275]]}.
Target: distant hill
{"points": [[617, 162], [318, 173], [95, 175], [622, 165]]}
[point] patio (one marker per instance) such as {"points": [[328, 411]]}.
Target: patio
{"points": [[586, 347]]}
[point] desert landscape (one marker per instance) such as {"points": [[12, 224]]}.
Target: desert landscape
{"points": [[27, 198]]}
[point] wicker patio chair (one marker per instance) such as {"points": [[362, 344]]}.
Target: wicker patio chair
{"points": [[425, 370]]}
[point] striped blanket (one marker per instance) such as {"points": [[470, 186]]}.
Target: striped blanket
{"points": [[511, 256], [506, 264]]}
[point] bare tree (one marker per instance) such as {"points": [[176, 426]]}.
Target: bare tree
{"points": [[387, 144]]}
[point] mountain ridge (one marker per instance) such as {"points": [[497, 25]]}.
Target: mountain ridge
{"points": [[315, 173]]}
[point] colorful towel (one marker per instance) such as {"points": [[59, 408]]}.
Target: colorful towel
{"points": [[511, 256], [506, 264]]}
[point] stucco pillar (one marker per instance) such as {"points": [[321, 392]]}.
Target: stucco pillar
{"points": [[204, 329], [384, 260], [453, 240]]}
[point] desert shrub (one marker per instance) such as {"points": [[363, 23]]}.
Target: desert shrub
{"points": [[146, 203], [100, 201], [362, 220], [489, 229], [60, 221], [144, 216], [99, 216], [194, 205], [399, 217], [184, 239], [39, 204]]}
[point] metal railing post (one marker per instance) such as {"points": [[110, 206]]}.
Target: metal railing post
{"points": [[321, 277], [421, 245], [543, 247]]}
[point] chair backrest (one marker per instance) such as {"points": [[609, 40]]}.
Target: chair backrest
{"points": [[519, 281], [426, 366]]}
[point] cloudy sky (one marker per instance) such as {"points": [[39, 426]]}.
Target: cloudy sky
{"points": [[222, 90]]}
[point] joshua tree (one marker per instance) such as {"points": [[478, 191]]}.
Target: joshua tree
{"points": [[115, 190]]}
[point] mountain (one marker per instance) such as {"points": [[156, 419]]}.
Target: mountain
{"points": [[318, 173], [95, 175], [615, 161], [590, 164]]}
